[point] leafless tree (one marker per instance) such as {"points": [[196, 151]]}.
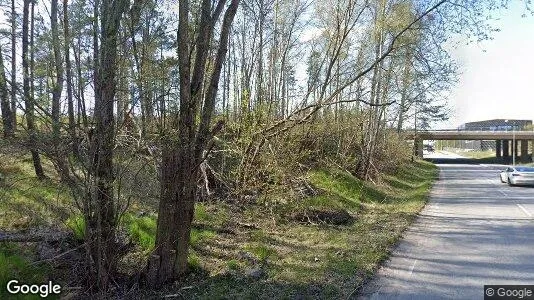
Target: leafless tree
{"points": [[183, 154]]}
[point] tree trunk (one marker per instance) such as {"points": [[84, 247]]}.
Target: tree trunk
{"points": [[32, 51], [80, 88], [58, 84], [178, 185], [7, 115], [96, 65], [68, 66], [181, 157], [148, 87], [259, 76], [14, 65], [122, 93], [369, 139], [404, 92], [28, 100], [102, 220]]}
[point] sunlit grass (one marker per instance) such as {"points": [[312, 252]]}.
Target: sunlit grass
{"points": [[299, 260], [325, 261], [27, 201], [15, 265], [343, 189], [475, 154], [76, 224]]}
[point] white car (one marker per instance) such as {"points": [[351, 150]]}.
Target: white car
{"points": [[518, 175]]}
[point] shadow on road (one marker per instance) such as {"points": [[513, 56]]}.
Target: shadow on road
{"points": [[471, 161]]}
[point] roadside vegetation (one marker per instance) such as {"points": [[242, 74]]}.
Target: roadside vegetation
{"points": [[474, 153], [218, 148], [324, 241], [487, 157]]}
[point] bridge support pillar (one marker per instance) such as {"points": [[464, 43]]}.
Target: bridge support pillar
{"points": [[498, 148], [524, 151], [505, 148], [418, 147]]}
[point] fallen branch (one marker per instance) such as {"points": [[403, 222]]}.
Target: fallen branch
{"points": [[173, 296], [17, 237], [20, 238], [58, 256]]}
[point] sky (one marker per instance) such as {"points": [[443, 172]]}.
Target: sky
{"points": [[497, 79], [497, 76]]}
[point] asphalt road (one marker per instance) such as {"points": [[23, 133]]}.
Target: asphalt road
{"points": [[474, 231]]}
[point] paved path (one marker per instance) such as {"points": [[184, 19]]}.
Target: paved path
{"points": [[474, 231], [442, 154]]}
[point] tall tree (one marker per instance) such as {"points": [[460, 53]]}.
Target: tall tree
{"points": [[32, 50], [57, 87], [182, 155], [100, 214], [80, 91], [14, 64], [7, 115], [68, 69], [28, 99]]}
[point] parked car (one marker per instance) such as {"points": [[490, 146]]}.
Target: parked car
{"points": [[518, 175]]}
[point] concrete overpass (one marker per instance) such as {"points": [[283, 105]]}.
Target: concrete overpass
{"points": [[503, 140]]}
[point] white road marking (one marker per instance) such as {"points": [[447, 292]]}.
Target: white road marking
{"points": [[493, 167], [524, 210], [413, 266], [495, 182]]}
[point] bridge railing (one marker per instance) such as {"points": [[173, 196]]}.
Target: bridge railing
{"points": [[475, 129]]}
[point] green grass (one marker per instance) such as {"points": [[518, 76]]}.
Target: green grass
{"points": [[194, 261], [199, 236], [343, 190], [489, 157], [76, 224], [345, 252], [201, 213], [323, 261], [233, 264], [475, 154], [142, 230], [299, 260], [208, 214], [26, 201], [261, 251], [14, 264]]}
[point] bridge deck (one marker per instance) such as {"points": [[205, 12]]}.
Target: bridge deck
{"points": [[473, 135]]}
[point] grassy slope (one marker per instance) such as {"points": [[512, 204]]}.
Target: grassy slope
{"points": [[323, 260], [475, 154], [489, 157], [25, 203], [229, 242]]}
